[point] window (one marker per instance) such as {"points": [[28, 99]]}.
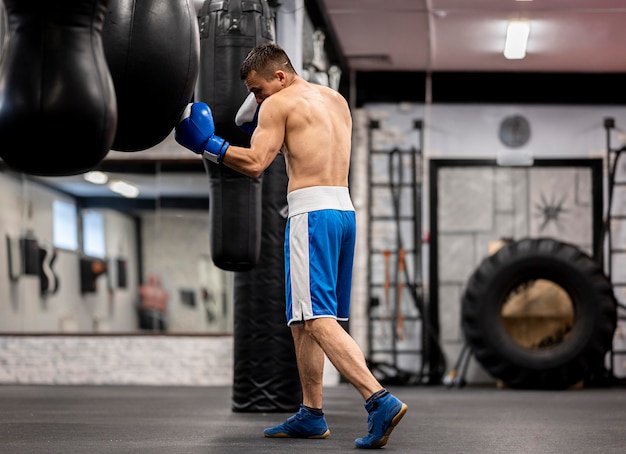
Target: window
{"points": [[64, 225], [93, 234]]}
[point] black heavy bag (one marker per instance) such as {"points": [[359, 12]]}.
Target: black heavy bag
{"points": [[153, 51], [265, 369], [229, 29], [58, 112], [234, 218]]}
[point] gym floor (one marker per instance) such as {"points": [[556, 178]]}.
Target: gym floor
{"points": [[137, 419]]}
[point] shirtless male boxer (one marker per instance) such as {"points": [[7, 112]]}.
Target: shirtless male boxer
{"points": [[312, 126]]}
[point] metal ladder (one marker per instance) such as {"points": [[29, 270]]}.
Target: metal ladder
{"points": [[389, 350], [612, 159]]}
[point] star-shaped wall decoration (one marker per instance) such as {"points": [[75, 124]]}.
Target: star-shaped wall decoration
{"points": [[551, 211]]}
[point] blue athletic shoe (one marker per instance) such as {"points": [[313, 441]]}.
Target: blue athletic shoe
{"points": [[303, 424], [384, 413]]}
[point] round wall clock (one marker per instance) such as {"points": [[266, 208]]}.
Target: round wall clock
{"points": [[514, 131]]}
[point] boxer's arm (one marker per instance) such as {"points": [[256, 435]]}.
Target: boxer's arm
{"points": [[265, 143]]}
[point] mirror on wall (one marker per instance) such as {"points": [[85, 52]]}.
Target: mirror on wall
{"points": [[126, 252]]}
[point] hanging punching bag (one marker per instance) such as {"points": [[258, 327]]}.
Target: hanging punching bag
{"points": [[265, 369], [152, 48], [58, 112], [229, 29], [247, 221]]}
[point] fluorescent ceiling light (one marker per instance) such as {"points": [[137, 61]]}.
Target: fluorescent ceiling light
{"points": [[516, 39], [123, 188], [96, 177]]}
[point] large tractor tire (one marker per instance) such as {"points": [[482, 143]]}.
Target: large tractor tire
{"points": [[539, 314]]}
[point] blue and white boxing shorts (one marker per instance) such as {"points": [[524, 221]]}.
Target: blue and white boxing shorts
{"points": [[319, 253]]}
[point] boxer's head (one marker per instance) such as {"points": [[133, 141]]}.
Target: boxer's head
{"points": [[265, 59], [266, 70]]}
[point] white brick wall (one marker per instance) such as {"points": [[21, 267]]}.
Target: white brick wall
{"points": [[117, 360], [122, 360]]}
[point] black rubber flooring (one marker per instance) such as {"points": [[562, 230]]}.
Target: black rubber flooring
{"points": [[171, 420]]}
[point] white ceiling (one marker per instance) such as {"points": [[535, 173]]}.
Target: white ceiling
{"points": [[468, 35]]}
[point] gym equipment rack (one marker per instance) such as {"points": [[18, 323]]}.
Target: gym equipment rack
{"points": [[611, 219], [393, 357]]}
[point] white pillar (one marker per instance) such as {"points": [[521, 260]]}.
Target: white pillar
{"points": [[289, 25]]}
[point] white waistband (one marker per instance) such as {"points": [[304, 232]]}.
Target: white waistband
{"points": [[317, 198]]}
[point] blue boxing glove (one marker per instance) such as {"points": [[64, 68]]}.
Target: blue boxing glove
{"points": [[196, 131], [248, 114]]}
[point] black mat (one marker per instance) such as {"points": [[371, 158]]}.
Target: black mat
{"points": [[145, 419]]}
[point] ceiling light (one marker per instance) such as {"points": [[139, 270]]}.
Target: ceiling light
{"points": [[123, 188], [96, 177], [516, 39]]}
